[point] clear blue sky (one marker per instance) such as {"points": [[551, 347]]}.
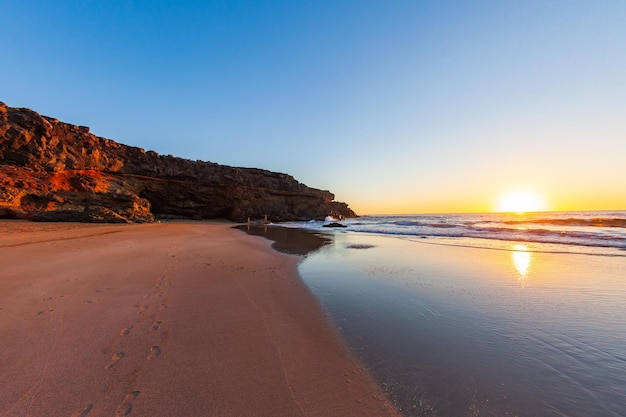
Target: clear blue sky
{"points": [[395, 106]]}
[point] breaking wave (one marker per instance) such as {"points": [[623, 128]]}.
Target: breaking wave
{"points": [[592, 229]]}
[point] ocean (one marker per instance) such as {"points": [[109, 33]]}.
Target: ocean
{"points": [[579, 231], [477, 314]]}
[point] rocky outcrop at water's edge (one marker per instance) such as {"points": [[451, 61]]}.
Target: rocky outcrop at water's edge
{"points": [[54, 171]]}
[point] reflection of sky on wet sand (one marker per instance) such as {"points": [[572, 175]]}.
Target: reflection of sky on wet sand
{"points": [[500, 331]]}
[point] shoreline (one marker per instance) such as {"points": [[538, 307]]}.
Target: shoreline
{"points": [[180, 318], [450, 328]]}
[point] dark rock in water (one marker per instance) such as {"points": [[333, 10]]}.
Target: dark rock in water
{"points": [[360, 246], [334, 224], [54, 171]]}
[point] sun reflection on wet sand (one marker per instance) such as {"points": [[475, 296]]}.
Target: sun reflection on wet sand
{"points": [[521, 260], [444, 322]]}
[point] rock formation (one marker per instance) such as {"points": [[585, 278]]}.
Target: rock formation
{"points": [[54, 171]]}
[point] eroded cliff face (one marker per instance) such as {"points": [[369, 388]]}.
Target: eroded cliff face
{"points": [[54, 171]]}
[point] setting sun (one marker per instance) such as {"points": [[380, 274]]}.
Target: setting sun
{"points": [[520, 201]]}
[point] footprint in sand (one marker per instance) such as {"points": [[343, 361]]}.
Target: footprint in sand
{"points": [[44, 312], [155, 352], [161, 282], [126, 406], [142, 309], [162, 307], [115, 359], [82, 412], [125, 330], [155, 326]]}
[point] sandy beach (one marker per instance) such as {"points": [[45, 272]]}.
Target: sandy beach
{"points": [[178, 319]]}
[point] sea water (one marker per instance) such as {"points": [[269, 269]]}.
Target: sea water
{"points": [[482, 314], [591, 229]]}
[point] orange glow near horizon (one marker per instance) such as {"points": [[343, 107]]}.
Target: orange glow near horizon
{"points": [[512, 200]]}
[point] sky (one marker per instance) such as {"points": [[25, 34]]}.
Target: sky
{"points": [[394, 106]]}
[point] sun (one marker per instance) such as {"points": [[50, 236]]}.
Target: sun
{"points": [[520, 201]]}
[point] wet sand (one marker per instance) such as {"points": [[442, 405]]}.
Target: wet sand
{"points": [[181, 319], [471, 327]]}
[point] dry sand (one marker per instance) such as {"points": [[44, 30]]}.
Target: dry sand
{"points": [[181, 319]]}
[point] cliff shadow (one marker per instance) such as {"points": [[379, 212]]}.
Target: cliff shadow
{"points": [[289, 240]]}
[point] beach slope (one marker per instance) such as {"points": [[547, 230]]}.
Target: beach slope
{"points": [[185, 319]]}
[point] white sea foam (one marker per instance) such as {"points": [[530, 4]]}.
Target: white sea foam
{"points": [[592, 229]]}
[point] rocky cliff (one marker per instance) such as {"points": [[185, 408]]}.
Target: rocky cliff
{"points": [[54, 171]]}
